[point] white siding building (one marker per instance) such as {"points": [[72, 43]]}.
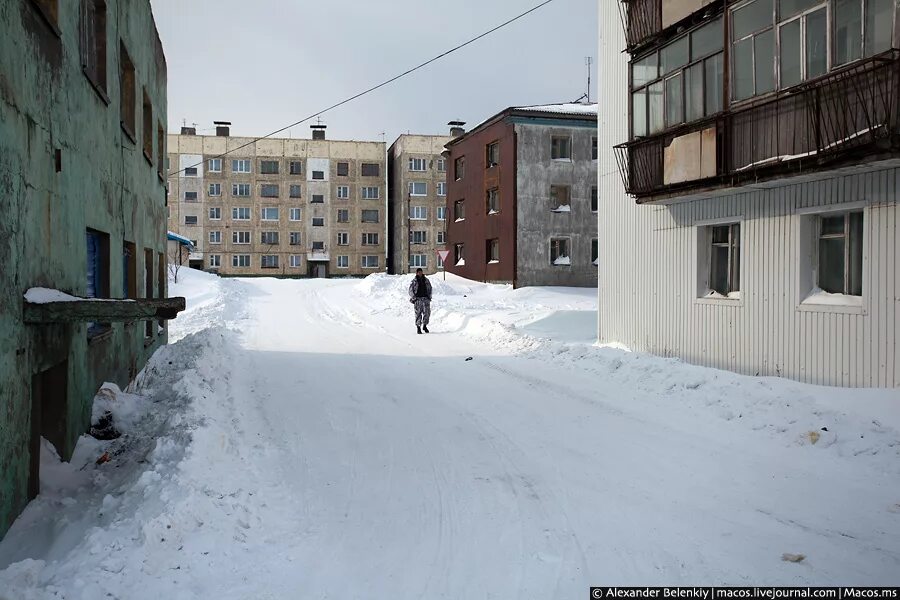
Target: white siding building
{"points": [[727, 273]]}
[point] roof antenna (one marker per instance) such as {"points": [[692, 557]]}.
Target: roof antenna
{"points": [[588, 60]]}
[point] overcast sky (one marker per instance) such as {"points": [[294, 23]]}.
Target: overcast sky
{"points": [[264, 64]]}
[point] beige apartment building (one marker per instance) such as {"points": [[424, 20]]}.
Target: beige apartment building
{"points": [[417, 202], [279, 207]]}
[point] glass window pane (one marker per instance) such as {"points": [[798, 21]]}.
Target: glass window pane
{"points": [[639, 112], [879, 25], [790, 54], [735, 258], [674, 55], [856, 254], [693, 85], [715, 84], [644, 70], [831, 265], [764, 50], [847, 31], [751, 18], [707, 40], [674, 101], [655, 93], [718, 269], [742, 76], [833, 225], [816, 43], [789, 8]]}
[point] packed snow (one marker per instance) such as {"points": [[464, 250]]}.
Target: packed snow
{"points": [[566, 108], [39, 295], [298, 439]]}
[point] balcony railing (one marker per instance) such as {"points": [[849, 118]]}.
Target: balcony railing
{"points": [[642, 19], [845, 116]]}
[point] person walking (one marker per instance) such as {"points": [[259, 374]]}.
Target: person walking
{"points": [[420, 297]]}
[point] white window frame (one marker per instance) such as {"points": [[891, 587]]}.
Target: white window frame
{"points": [[217, 211], [365, 210], [268, 258], [265, 213], [237, 236], [418, 237], [215, 261], [296, 261], [441, 213], [345, 211], [343, 238], [237, 259], [215, 237], [237, 188], [238, 165], [237, 211], [369, 239], [418, 213], [343, 192], [343, 262], [363, 261], [214, 165], [295, 214], [214, 186], [414, 185], [442, 189], [418, 165], [418, 261], [441, 165], [366, 191], [441, 237]]}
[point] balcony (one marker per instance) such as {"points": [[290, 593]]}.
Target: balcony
{"points": [[318, 254], [844, 118], [644, 20]]}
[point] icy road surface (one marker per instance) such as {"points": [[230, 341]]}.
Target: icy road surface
{"points": [[299, 440]]}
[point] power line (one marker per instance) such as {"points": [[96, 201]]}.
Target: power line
{"points": [[380, 85]]}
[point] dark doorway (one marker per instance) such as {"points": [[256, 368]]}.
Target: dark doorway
{"points": [[49, 391], [318, 270]]}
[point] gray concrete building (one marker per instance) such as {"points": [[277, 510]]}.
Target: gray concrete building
{"points": [[279, 207], [417, 203]]}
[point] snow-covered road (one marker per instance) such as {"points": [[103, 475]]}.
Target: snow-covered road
{"points": [[316, 447]]}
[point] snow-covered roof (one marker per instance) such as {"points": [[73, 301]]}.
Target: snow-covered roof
{"points": [[175, 237], [565, 108]]}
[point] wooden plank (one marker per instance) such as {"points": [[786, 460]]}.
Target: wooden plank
{"points": [[107, 311]]}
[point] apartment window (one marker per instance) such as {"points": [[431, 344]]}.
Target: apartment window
{"points": [[725, 258], [559, 251], [370, 239], [269, 213], [459, 168], [560, 198], [215, 261], [127, 92], [492, 155], [369, 216], [370, 170], [343, 215], [196, 244], [418, 261], [343, 192], [753, 49], [215, 189], [240, 166], [215, 213], [459, 210], [493, 201], [92, 42], [295, 238], [419, 237], [240, 237], [215, 237], [593, 148], [129, 270], [240, 213], [370, 193], [595, 251], [343, 262], [268, 190], [441, 189], [343, 238], [459, 254], [240, 189], [369, 262], [803, 41], [862, 28], [441, 213], [492, 251], [268, 261], [190, 197], [681, 82], [840, 251], [418, 164], [296, 191], [318, 175], [148, 129], [418, 188], [418, 213], [318, 245], [296, 261], [214, 165], [560, 147], [296, 167], [441, 237], [240, 260], [318, 222], [318, 199], [268, 167], [343, 169], [190, 219], [190, 171], [294, 214], [441, 165], [269, 238], [594, 198]]}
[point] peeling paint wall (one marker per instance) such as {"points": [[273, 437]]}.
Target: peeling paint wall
{"points": [[103, 182]]}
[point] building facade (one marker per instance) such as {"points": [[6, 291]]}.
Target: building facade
{"points": [[522, 197], [279, 207], [82, 147], [417, 201], [754, 224]]}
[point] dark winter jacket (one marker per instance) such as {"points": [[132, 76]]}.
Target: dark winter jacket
{"points": [[415, 292]]}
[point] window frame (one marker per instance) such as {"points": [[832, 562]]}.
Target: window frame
{"points": [[556, 148], [362, 216], [209, 190], [218, 212], [459, 210], [292, 211], [492, 251], [238, 235], [264, 213], [237, 259], [492, 201], [411, 188], [214, 161], [217, 234], [237, 211], [846, 235], [492, 154], [417, 161], [555, 245], [418, 213]]}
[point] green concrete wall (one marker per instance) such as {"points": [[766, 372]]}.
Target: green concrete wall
{"points": [[104, 183]]}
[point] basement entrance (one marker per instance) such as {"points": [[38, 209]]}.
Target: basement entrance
{"points": [[49, 391]]}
